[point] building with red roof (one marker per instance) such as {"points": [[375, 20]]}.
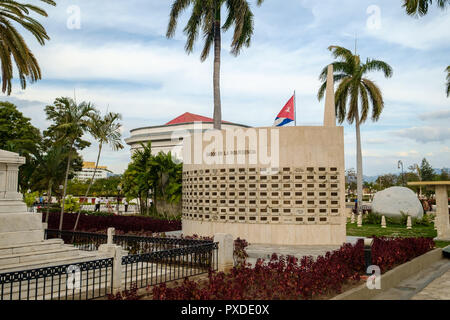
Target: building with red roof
{"points": [[169, 137]]}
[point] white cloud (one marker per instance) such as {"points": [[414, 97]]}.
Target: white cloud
{"points": [[423, 34], [425, 134]]}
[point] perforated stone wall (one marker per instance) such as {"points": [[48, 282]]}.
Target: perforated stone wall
{"points": [[292, 195]]}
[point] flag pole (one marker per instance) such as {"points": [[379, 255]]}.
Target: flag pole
{"points": [[295, 110]]}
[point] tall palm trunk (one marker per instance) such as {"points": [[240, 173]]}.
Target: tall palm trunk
{"points": [[359, 170], [49, 195], [65, 189], [216, 75], [91, 182]]}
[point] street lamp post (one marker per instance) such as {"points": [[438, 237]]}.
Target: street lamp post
{"points": [[400, 163]]}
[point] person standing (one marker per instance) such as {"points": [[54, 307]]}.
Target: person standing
{"points": [[125, 203], [97, 204]]}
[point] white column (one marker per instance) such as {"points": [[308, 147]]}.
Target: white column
{"points": [[225, 251], [115, 252], [442, 217], [329, 119]]}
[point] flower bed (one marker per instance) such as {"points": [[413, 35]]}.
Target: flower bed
{"points": [[126, 224], [288, 278]]}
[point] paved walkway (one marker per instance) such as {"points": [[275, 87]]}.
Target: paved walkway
{"points": [[439, 289], [432, 283]]}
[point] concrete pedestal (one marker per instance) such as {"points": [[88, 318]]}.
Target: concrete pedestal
{"points": [[443, 223], [22, 244]]}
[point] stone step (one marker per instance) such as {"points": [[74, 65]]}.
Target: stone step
{"points": [[41, 255], [16, 237], [31, 247]]}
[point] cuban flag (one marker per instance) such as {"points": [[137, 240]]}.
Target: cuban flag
{"points": [[287, 114]]}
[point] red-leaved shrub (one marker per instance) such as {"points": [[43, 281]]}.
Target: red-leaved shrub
{"points": [[390, 252], [289, 278], [91, 223]]}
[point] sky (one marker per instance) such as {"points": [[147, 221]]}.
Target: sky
{"points": [[115, 55]]}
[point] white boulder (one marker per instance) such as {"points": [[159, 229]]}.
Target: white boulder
{"points": [[394, 201]]}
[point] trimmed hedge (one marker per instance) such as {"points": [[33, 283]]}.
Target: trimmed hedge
{"points": [[91, 223]]}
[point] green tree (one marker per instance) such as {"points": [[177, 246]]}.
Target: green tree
{"points": [[70, 123], [17, 134], [166, 178], [426, 171], [13, 45], [444, 175], [420, 7], [356, 91], [388, 180], [206, 18], [106, 130], [50, 170], [158, 173], [138, 179]]}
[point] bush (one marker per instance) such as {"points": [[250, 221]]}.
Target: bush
{"points": [[390, 252], [289, 278], [91, 223], [427, 220], [372, 218], [280, 278]]}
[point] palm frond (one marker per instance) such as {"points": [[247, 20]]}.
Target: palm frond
{"points": [[448, 81], [375, 97], [177, 8], [14, 45], [342, 53], [341, 97], [420, 8], [377, 65]]}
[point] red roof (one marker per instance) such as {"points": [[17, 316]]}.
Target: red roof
{"points": [[190, 117]]}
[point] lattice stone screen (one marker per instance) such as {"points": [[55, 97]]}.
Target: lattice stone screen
{"points": [[292, 195]]}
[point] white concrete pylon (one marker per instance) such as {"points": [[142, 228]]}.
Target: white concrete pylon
{"points": [[409, 223], [330, 109], [352, 219], [383, 222], [359, 220]]}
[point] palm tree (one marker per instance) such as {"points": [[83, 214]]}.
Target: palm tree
{"points": [[105, 130], [357, 92], [420, 7], [48, 167], [13, 45], [71, 122], [448, 81], [206, 17]]}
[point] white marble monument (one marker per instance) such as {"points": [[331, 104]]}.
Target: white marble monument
{"points": [[22, 244], [16, 224]]}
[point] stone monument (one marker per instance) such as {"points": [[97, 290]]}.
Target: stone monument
{"points": [[394, 201], [22, 244], [17, 226], [268, 185]]}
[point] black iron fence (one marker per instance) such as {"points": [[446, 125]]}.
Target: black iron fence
{"points": [[77, 281], [133, 244], [148, 269], [150, 261]]}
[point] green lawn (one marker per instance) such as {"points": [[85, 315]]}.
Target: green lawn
{"points": [[368, 230]]}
